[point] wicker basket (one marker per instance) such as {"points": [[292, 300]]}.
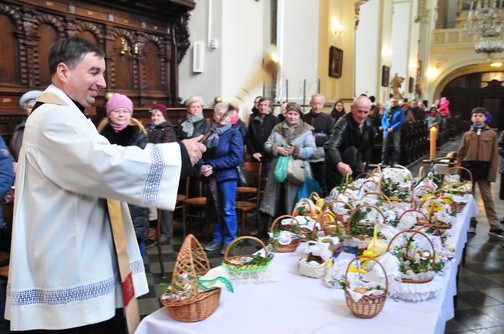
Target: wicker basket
{"points": [[351, 222], [189, 304], [331, 220], [434, 223], [293, 245], [308, 208], [312, 268], [462, 171], [382, 197], [234, 262], [433, 256], [400, 171], [421, 220], [368, 306]]}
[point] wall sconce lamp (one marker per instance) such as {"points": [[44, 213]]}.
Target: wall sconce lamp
{"points": [[338, 29], [387, 55], [127, 50], [432, 73]]}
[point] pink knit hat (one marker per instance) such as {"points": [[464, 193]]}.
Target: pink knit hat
{"points": [[119, 101]]}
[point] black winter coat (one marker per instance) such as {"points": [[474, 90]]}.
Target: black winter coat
{"points": [[257, 134], [161, 133], [201, 127], [346, 134]]}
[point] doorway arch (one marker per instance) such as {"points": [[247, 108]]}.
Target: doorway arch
{"points": [[474, 86]]}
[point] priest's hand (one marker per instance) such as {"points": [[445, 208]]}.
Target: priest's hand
{"points": [[194, 148]]}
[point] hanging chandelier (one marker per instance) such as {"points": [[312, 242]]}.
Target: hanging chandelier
{"points": [[489, 46], [485, 19]]}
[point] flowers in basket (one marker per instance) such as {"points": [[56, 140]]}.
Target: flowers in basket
{"points": [[418, 263], [440, 208]]}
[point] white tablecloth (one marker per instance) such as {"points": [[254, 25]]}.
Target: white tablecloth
{"points": [[299, 304]]}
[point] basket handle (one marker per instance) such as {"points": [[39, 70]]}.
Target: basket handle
{"points": [[363, 175], [411, 237], [338, 250], [348, 205], [368, 181], [361, 207], [376, 193], [230, 246], [306, 201], [279, 218], [314, 195], [460, 169], [413, 210], [361, 257], [421, 172]]}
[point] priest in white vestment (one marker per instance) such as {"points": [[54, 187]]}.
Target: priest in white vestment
{"points": [[63, 267]]}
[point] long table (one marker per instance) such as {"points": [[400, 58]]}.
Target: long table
{"points": [[299, 304]]}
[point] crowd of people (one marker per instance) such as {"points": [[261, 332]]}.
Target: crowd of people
{"points": [[68, 168]]}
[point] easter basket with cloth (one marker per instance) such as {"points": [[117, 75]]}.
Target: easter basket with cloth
{"points": [[252, 262], [397, 183], [186, 302], [364, 295], [284, 234], [417, 256]]}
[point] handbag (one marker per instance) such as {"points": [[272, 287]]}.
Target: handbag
{"points": [[242, 175], [281, 168], [296, 171], [479, 169], [309, 185]]}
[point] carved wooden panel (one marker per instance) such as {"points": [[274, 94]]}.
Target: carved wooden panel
{"points": [[144, 42], [9, 66]]}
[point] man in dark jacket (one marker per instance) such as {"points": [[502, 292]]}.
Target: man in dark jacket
{"points": [[258, 131], [323, 126], [348, 150]]}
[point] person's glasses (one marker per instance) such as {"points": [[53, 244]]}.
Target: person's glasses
{"points": [[119, 111]]}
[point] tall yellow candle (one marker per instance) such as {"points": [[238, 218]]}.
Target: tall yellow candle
{"points": [[433, 137]]}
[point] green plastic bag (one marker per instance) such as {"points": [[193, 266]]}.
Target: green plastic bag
{"points": [[281, 168]]}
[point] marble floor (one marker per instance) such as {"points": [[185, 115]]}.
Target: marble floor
{"points": [[480, 302]]}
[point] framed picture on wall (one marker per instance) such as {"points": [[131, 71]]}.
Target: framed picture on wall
{"points": [[335, 62], [385, 76], [411, 85]]}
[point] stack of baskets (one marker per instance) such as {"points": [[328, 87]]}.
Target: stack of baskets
{"points": [[186, 302]]}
